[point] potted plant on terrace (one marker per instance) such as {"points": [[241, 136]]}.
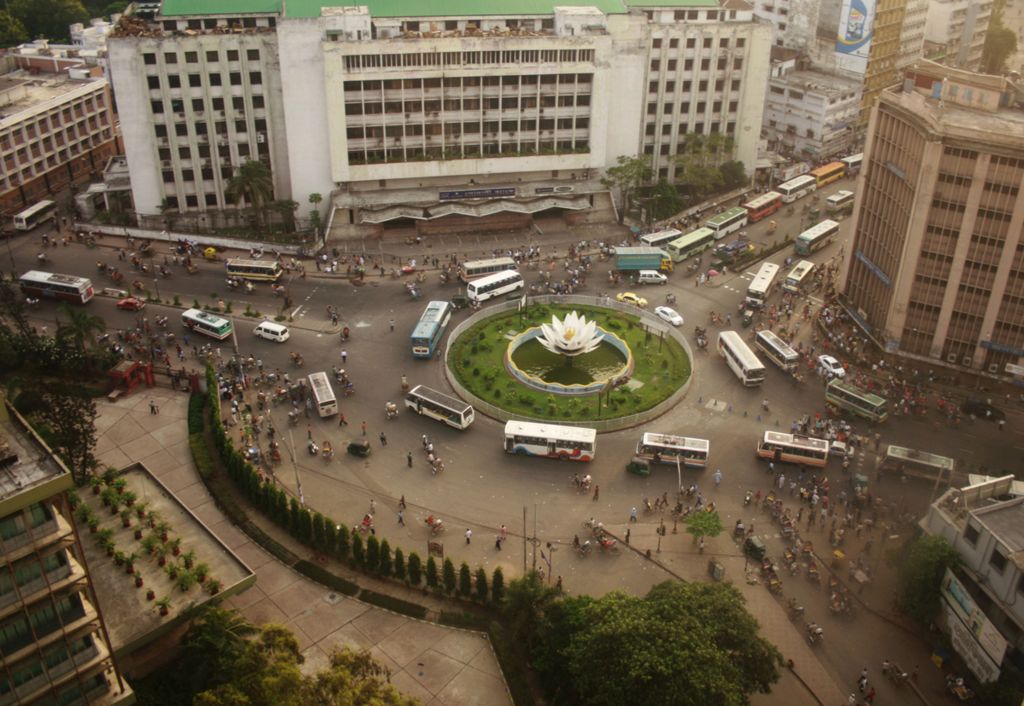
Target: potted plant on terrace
{"points": [[164, 604], [188, 559], [202, 571], [213, 586], [126, 517]]}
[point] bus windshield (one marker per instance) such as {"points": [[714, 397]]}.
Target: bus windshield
{"points": [[430, 328]]}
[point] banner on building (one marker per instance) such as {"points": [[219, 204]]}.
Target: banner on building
{"points": [[853, 39], [974, 636]]}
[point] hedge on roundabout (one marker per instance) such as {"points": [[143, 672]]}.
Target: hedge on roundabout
{"points": [[477, 360]]}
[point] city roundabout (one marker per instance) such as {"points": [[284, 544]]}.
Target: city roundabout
{"points": [[569, 359]]}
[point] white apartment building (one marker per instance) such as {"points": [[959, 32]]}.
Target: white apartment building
{"points": [[985, 524], [397, 118], [915, 17], [958, 29], [794, 22], [810, 115]]}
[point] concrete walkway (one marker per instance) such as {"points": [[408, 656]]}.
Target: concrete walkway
{"points": [[438, 665]]}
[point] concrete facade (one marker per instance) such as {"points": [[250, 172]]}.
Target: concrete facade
{"points": [[810, 114], [52, 127], [912, 34], [357, 107], [937, 269], [959, 27]]}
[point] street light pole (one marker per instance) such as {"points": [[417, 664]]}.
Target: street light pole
{"points": [[295, 467], [156, 284]]}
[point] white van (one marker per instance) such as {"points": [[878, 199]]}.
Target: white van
{"points": [[272, 332], [650, 277]]}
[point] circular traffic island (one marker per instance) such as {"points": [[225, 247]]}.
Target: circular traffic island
{"points": [[582, 362]]}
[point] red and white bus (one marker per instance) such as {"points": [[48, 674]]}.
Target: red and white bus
{"points": [[66, 288], [763, 206]]}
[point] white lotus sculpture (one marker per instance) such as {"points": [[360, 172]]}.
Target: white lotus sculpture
{"points": [[572, 336]]}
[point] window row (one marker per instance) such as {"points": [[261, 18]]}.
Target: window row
{"points": [[177, 105], [508, 57], [455, 129], [684, 107], [202, 128], [468, 151], [687, 86], [192, 57], [212, 79], [60, 119], [376, 85], [705, 64], [691, 42], [469, 104]]}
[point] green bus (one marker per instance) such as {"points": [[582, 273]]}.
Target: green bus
{"points": [[691, 244], [851, 398]]}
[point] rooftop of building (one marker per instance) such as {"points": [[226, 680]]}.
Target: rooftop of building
{"points": [[415, 8], [1005, 520], [25, 461], [21, 90], [819, 82]]}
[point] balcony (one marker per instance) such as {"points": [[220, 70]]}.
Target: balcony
{"points": [[32, 591], [57, 674]]}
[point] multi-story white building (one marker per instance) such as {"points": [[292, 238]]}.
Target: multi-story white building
{"points": [[957, 28], [984, 604], [810, 115], [54, 129], [794, 22], [915, 16], [448, 112]]}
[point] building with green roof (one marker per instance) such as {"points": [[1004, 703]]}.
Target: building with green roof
{"points": [[454, 115]]}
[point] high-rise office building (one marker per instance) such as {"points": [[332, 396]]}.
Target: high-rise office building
{"points": [[937, 263], [881, 71], [392, 114], [955, 31], [53, 644]]}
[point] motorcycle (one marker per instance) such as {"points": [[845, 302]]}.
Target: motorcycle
{"points": [[41, 257], [296, 359], [390, 410], [815, 635], [312, 448], [31, 302], [747, 498]]}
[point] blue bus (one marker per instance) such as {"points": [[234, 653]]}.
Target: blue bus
{"points": [[430, 328]]}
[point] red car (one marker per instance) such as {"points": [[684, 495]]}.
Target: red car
{"points": [[131, 304]]}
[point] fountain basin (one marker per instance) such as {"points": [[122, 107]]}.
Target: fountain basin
{"points": [[535, 366]]}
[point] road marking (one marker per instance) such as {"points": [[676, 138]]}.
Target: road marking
{"points": [[296, 310]]}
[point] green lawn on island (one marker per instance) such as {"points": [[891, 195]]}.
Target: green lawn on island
{"points": [[478, 363]]}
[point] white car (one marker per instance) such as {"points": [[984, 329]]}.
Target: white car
{"points": [[668, 314], [840, 449], [830, 367]]}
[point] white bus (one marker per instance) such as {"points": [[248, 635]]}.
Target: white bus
{"points": [[551, 440], [260, 270], [797, 188], [437, 405], [666, 448], [481, 268], [777, 350], [747, 367], [795, 279], [762, 284], [206, 323], [323, 394], [494, 285], [918, 464], [854, 161], [50, 285], [779, 447], [815, 238], [660, 238], [840, 202], [727, 222], [34, 215]]}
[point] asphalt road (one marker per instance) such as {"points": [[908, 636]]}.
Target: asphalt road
{"points": [[483, 488]]}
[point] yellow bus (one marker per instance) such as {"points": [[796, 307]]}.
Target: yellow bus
{"points": [[829, 173]]}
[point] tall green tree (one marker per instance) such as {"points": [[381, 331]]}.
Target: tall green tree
{"points": [[703, 524], [665, 200], [48, 18], [1000, 45], [527, 601], [81, 327], [253, 184], [12, 31], [683, 644], [628, 175], [70, 422], [314, 213], [919, 571]]}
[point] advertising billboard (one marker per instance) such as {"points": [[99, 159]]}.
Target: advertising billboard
{"points": [[974, 636], [853, 39]]}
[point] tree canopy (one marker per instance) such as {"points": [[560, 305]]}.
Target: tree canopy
{"points": [[919, 571], [226, 661], [48, 18], [628, 175], [681, 644], [703, 524], [12, 31]]}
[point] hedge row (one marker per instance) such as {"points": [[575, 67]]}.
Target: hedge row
{"points": [[413, 610], [325, 577]]}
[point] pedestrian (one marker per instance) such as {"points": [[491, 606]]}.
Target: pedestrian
{"points": [[870, 696], [1002, 423], [309, 433], [558, 584], [364, 427], [408, 459], [373, 506], [391, 323], [342, 422], [153, 409], [718, 477], [504, 533], [632, 515], [344, 357], [852, 700], [401, 517], [771, 467], [627, 535], [597, 491], [383, 439], [469, 535], [401, 502], [497, 542]]}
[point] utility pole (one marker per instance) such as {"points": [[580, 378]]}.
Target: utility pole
{"points": [[295, 467]]}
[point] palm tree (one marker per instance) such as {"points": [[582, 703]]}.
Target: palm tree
{"points": [[314, 214], [253, 183], [81, 326]]}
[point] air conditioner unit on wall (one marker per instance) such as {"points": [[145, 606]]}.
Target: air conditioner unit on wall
{"points": [[993, 368], [967, 360], [951, 358]]}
